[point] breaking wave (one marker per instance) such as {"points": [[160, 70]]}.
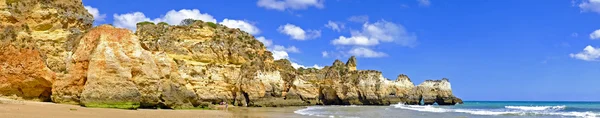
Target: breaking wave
{"points": [[508, 110], [536, 108]]}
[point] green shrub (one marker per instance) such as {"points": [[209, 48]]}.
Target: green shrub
{"points": [[163, 23], [123, 105], [145, 23], [187, 22], [211, 24]]}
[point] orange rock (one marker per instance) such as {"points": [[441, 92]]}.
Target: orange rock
{"points": [[23, 73]]}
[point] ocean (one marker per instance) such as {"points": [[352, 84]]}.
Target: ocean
{"points": [[470, 109]]}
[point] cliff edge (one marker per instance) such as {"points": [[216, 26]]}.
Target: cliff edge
{"points": [[50, 52]]}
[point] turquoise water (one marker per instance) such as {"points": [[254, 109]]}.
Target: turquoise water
{"points": [[471, 109]]}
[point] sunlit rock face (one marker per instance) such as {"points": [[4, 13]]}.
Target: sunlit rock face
{"points": [[50, 52], [36, 37], [434, 91]]}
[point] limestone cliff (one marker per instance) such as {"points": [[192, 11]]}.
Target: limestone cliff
{"points": [[36, 39], [48, 51], [434, 91]]}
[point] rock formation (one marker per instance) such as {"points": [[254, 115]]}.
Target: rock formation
{"points": [[351, 63], [36, 39], [434, 91], [49, 52]]}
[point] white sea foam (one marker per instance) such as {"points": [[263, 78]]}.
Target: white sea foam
{"points": [[309, 111], [510, 110], [536, 108], [427, 108]]}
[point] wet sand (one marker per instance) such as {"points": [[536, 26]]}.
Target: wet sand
{"points": [[29, 109]]}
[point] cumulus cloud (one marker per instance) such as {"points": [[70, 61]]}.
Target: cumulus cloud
{"points": [[265, 41], [243, 25], [359, 19], [424, 2], [590, 6], [595, 35], [129, 20], [325, 54], [355, 40], [96, 13], [335, 26], [589, 54], [175, 17], [366, 52], [283, 5], [292, 49], [380, 31], [281, 52], [296, 65], [298, 33]]}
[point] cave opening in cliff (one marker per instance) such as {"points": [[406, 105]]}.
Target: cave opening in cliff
{"points": [[246, 98]]}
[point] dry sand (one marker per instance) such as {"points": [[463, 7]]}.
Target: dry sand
{"points": [[27, 109]]}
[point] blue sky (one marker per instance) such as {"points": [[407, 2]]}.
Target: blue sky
{"points": [[490, 50]]}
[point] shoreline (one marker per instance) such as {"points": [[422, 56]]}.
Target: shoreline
{"points": [[29, 109]]}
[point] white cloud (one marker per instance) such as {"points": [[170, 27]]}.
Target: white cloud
{"points": [[243, 25], [366, 52], [325, 54], [265, 41], [129, 20], [298, 33], [595, 35], [335, 26], [590, 5], [281, 52], [380, 31], [175, 17], [96, 13], [296, 65], [589, 54], [282, 5], [359, 19], [355, 40], [424, 2], [291, 49]]}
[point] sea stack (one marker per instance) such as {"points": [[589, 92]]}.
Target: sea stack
{"points": [[50, 52]]}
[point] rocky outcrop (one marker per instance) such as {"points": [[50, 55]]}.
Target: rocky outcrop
{"points": [[351, 63], [434, 91], [36, 38], [48, 52], [118, 73], [218, 63]]}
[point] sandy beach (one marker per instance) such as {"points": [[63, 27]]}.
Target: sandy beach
{"points": [[28, 109]]}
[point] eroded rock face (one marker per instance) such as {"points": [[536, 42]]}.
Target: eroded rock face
{"points": [[351, 63], [35, 43], [219, 64], [434, 91], [117, 72], [48, 50], [23, 72]]}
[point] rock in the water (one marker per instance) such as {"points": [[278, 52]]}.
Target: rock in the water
{"points": [[434, 91]]}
